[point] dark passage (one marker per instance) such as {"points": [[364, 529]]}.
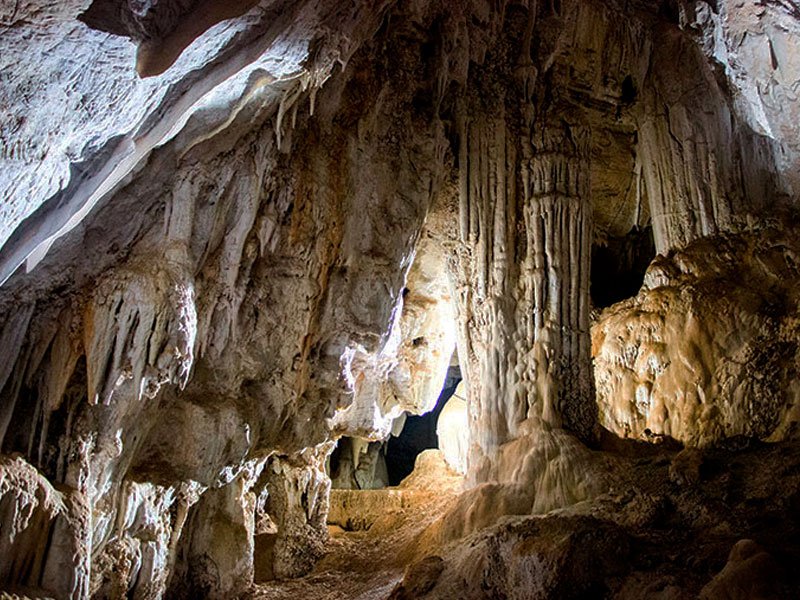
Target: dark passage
{"points": [[618, 267], [418, 434]]}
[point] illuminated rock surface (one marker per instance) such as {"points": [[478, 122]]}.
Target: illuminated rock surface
{"points": [[452, 429], [707, 350], [234, 236]]}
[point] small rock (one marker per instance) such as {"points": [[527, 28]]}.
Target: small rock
{"points": [[419, 579], [686, 467], [750, 574]]}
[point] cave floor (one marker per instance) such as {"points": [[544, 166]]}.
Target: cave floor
{"points": [[368, 562], [358, 566], [721, 523]]}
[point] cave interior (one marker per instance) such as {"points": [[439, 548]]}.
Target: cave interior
{"points": [[392, 300]]}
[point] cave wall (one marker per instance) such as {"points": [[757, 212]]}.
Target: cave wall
{"points": [[218, 340], [705, 171]]}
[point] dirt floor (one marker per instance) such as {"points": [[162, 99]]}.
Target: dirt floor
{"points": [[675, 524], [368, 563]]}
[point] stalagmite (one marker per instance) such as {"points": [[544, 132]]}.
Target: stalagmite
{"points": [[215, 556], [33, 511]]}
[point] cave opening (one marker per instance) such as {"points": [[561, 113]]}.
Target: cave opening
{"points": [[619, 265], [418, 434], [359, 464]]}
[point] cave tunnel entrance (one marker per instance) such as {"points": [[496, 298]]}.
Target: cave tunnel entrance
{"points": [[619, 265], [360, 464], [418, 434]]}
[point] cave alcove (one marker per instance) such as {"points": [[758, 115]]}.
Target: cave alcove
{"points": [[619, 265], [418, 434]]}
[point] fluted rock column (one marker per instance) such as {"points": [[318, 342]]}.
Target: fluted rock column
{"points": [[554, 280], [522, 278]]}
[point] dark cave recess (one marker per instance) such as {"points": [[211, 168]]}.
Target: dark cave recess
{"points": [[418, 434], [619, 265], [398, 453]]}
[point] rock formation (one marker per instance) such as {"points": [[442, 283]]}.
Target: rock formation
{"points": [[452, 430], [234, 236], [706, 351]]}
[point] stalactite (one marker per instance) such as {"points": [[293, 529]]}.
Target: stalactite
{"points": [[558, 227], [273, 277]]}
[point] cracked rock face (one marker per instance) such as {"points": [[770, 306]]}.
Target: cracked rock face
{"points": [[232, 234]]}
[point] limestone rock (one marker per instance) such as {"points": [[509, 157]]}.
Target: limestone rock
{"points": [[749, 573], [419, 579], [452, 429], [705, 351], [276, 235], [536, 558], [686, 467]]}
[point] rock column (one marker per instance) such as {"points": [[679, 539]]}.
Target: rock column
{"points": [[522, 274]]}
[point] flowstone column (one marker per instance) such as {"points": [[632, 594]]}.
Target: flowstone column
{"points": [[522, 278], [554, 304]]}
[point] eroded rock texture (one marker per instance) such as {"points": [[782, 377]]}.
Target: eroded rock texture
{"points": [[222, 337], [707, 349], [249, 230]]}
